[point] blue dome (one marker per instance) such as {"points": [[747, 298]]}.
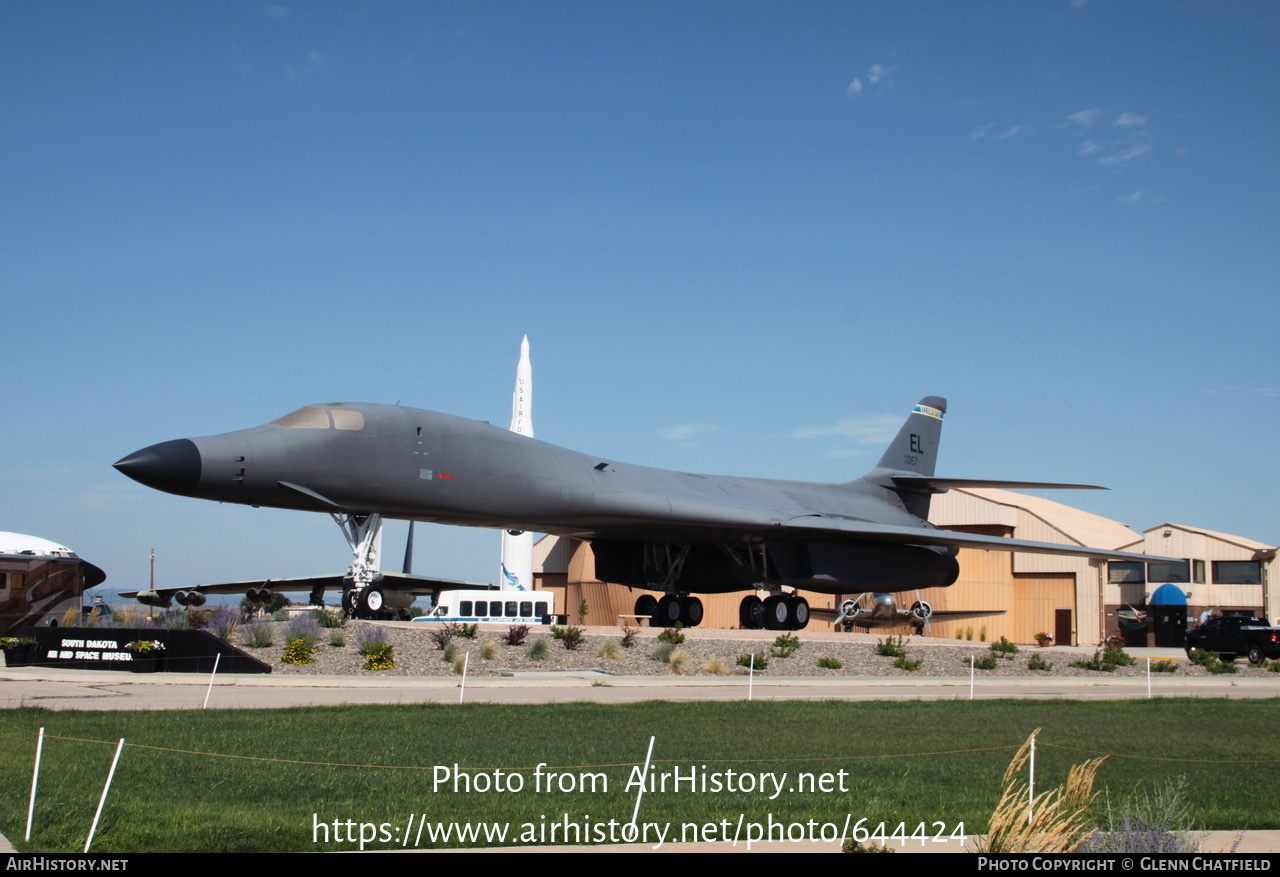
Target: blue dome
{"points": [[1168, 595]]}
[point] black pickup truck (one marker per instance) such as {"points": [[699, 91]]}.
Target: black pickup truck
{"points": [[1232, 635]]}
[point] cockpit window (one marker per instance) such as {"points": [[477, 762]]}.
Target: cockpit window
{"points": [[310, 417], [345, 418], [318, 417]]}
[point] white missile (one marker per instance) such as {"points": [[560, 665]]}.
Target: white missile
{"points": [[517, 545]]}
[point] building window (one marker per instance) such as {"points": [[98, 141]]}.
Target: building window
{"points": [[1127, 572], [1237, 572], [1197, 571], [1169, 571]]}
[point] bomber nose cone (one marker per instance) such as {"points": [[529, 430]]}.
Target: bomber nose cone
{"points": [[170, 466]]}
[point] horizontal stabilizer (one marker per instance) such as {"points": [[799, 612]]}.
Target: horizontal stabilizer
{"points": [[828, 526], [930, 484]]}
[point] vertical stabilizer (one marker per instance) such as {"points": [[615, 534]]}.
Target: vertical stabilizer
{"points": [[517, 546], [915, 448], [914, 451]]}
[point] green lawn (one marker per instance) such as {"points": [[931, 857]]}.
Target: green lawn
{"points": [[902, 762]]}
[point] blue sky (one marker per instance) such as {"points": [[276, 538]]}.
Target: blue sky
{"points": [[742, 237]]}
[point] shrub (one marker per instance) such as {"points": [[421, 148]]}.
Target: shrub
{"points": [[1035, 662], [890, 647], [583, 609], [224, 622], [1148, 822], [459, 665], [198, 619], [785, 645], [570, 637], [830, 663], [986, 662], [443, 634], [515, 635], [1202, 658], [629, 635], [609, 649], [662, 652], [449, 652], [1221, 668], [337, 638], [303, 627], [173, 619], [538, 649], [679, 658], [856, 846], [299, 651], [366, 635], [488, 650], [330, 619], [1274, 667], [1115, 655], [258, 636], [1004, 648], [756, 660], [1163, 666], [1097, 662], [968, 633], [717, 667], [904, 663], [468, 631], [378, 655], [672, 635]]}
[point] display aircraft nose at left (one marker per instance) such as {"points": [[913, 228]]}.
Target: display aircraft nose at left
{"points": [[172, 466]]}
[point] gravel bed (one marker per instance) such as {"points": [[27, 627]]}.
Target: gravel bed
{"points": [[417, 655]]}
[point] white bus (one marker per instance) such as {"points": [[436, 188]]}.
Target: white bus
{"points": [[498, 607]]}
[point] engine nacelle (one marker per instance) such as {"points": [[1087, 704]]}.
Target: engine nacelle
{"points": [[833, 567], [920, 611], [152, 598]]}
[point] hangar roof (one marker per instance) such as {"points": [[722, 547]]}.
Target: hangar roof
{"points": [[966, 506]]}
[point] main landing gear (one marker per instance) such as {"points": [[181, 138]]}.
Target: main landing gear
{"points": [[670, 610], [778, 612]]}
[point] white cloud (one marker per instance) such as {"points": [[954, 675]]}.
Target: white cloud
{"points": [[1084, 118], [878, 73], [983, 131], [1131, 198], [686, 432], [1012, 131], [1126, 151], [1088, 147], [1129, 120], [854, 89], [870, 429]]}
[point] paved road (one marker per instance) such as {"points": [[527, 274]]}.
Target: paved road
{"points": [[109, 690]]}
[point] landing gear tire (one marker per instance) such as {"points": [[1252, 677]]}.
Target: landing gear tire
{"points": [[668, 611], [751, 613], [372, 600], [691, 611], [799, 611], [777, 614], [349, 603], [647, 605]]}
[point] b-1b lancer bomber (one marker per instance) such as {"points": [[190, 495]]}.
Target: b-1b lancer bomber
{"points": [[674, 532]]}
